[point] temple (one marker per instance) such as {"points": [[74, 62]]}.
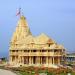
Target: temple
{"points": [[29, 50]]}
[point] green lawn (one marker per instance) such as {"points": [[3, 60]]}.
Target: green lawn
{"points": [[26, 73], [73, 73]]}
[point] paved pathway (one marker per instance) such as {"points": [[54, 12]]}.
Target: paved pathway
{"points": [[6, 72], [42, 73]]}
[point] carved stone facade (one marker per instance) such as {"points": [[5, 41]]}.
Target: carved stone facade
{"points": [[25, 49]]}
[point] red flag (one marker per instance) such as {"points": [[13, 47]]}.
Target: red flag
{"points": [[18, 12]]}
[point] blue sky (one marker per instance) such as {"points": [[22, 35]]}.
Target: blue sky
{"points": [[56, 18]]}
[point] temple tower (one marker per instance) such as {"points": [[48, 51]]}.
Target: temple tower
{"points": [[22, 30], [25, 49]]}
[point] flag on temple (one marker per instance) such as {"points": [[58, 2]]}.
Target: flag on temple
{"points": [[18, 12]]}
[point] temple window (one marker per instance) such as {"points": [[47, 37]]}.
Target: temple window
{"points": [[13, 50], [16, 44], [44, 50], [55, 50], [34, 50], [48, 45], [26, 50], [49, 50], [16, 50], [13, 58]]}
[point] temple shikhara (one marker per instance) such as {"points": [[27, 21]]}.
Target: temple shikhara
{"points": [[29, 50]]}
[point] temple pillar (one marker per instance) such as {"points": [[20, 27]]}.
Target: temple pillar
{"points": [[59, 60], [46, 60], [53, 57], [41, 60], [10, 59], [22, 60], [19, 59], [38, 60], [52, 60], [30, 60], [15, 60]]}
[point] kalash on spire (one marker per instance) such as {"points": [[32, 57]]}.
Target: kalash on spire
{"points": [[27, 50]]}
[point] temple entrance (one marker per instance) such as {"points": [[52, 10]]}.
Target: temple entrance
{"points": [[43, 60], [55, 60], [26, 60], [13, 58], [50, 60], [34, 59]]}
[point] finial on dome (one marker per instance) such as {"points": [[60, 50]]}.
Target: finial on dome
{"points": [[20, 14]]}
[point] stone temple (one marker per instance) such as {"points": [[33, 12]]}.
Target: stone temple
{"points": [[29, 50]]}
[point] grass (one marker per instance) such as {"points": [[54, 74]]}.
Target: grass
{"points": [[25, 73], [48, 73], [73, 73]]}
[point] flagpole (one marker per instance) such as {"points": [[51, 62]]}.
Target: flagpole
{"points": [[19, 12]]}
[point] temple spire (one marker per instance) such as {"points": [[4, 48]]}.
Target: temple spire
{"points": [[22, 30]]}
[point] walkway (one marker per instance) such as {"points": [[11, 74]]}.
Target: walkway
{"points": [[6, 72]]}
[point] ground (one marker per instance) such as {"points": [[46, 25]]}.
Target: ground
{"points": [[36, 71], [6, 72]]}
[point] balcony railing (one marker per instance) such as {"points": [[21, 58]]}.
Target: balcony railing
{"points": [[36, 53]]}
